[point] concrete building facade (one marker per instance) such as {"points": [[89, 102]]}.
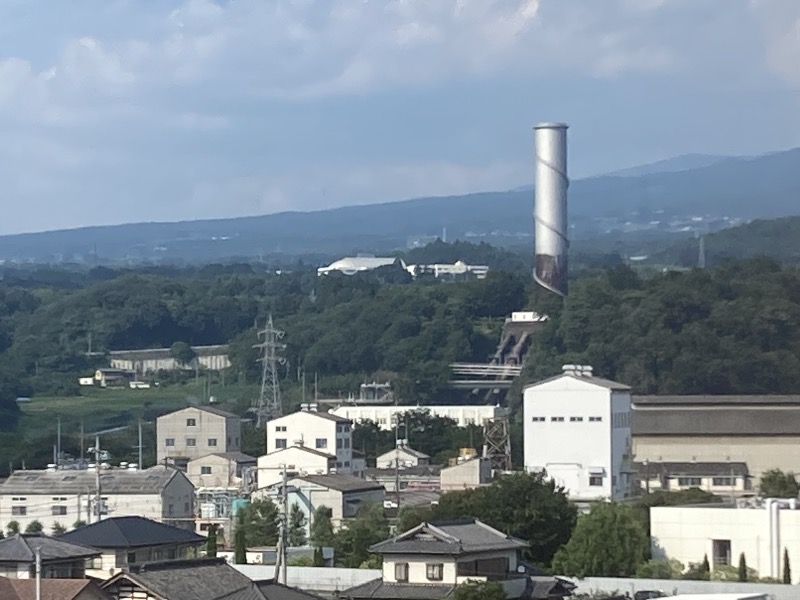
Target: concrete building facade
{"points": [[196, 431], [160, 493], [297, 460], [466, 474], [577, 428], [384, 416], [142, 362], [220, 470], [325, 432]]}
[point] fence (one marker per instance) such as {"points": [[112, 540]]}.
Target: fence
{"points": [[678, 586]]}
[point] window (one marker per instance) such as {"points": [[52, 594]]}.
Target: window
{"points": [[18, 499], [339, 444], [595, 419], [575, 419], [280, 427], [557, 419], [212, 442], [205, 470], [186, 507], [60, 499], [170, 509], [690, 481], [280, 443], [237, 441], [59, 511], [346, 464], [169, 442], [596, 480], [722, 552], [191, 442], [19, 511], [537, 419], [191, 422], [346, 442], [131, 558], [401, 572], [321, 443], [723, 481], [434, 571], [171, 553]]}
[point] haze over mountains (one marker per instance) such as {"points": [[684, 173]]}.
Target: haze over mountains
{"points": [[698, 192]]}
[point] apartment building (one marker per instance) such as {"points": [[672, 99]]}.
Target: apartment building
{"points": [[194, 432], [324, 432]]}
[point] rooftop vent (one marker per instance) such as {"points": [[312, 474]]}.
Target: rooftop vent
{"points": [[578, 370]]}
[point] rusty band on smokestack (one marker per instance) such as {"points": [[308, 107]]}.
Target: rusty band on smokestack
{"points": [[550, 208]]}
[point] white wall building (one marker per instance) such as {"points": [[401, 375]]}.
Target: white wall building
{"points": [[466, 474], [577, 428], [160, 493], [383, 415], [196, 431], [761, 529], [298, 460], [403, 456], [152, 360], [351, 265], [457, 270], [329, 433]]}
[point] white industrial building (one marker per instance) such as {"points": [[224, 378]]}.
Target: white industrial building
{"points": [[761, 529], [351, 265], [384, 416], [152, 360], [65, 497], [329, 433], [577, 428]]}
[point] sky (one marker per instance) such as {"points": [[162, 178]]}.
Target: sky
{"points": [[115, 111]]}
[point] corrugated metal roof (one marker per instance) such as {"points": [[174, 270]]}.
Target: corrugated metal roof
{"points": [[606, 383], [682, 421], [115, 481], [398, 591], [341, 482]]}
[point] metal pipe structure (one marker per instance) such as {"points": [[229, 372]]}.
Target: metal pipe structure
{"points": [[550, 207]]}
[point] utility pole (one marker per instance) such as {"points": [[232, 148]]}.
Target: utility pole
{"points": [[280, 558], [97, 490], [397, 459], [82, 443], [38, 556], [140, 445], [58, 445]]}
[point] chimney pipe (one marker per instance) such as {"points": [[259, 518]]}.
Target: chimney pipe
{"points": [[550, 207]]}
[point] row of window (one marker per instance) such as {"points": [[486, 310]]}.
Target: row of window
{"points": [[319, 443], [561, 419], [192, 442], [433, 571], [698, 481]]}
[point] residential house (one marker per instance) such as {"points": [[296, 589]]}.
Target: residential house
{"points": [[384, 416], [728, 479], [425, 477], [577, 428], [466, 474], [402, 455], [343, 494], [199, 579], [430, 560], [220, 470], [113, 377], [125, 541], [322, 431], [51, 589], [59, 559], [761, 529], [196, 431], [142, 362], [296, 460], [762, 431], [68, 496]]}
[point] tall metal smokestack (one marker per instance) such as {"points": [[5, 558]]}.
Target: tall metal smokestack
{"points": [[550, 210]]}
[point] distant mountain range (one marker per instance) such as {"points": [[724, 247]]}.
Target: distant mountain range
{"points": [[679, 194]]}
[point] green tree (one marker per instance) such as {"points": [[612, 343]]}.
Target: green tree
{"points": [[297, 526], [777, 484], [787, 569], [182, 353], [58, 529], [12, 528], [259, 520], [698, 571], [483, 590], [240, 541], [742, 568], [660, 569], [607, 542], [322, 527], [643, 504], [78, 524], [367, 528], [211, 541], [319, 558], [34, 527]]}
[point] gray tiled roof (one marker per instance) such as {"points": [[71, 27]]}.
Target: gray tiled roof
{"points": [[305, 449], [114, 481], [418, 471], [21, 548], [398, 591], [606, 383], [341, 482], [217, 411], [404, 450], [449, 537], [272, 590], [692, 469], [676, 421], [130, 532], [199, 579]]}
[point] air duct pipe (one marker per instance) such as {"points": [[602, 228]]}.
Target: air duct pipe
{"points": [[550, 207]]}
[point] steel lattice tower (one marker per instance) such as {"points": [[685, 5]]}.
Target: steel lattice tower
{"points": [[497, 442], [269, 405]]}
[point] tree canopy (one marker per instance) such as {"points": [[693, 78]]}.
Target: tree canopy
{"points": [[777, 484], [259, 520]]}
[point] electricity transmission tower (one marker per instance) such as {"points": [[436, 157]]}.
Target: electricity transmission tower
{"points": [[269, 404]]}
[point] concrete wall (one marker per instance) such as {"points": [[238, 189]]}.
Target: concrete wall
{"points": [[383, 415], [211, 433], [316, 432], [469, 474], [223, 472], [760, 453], [687, 534], [568, 426], [315, 579], [417, 569], [270, 466]]}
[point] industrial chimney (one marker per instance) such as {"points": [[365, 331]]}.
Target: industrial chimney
{"points": [[550, 207]]}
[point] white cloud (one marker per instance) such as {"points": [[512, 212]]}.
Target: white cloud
{"points": [[780, 21]]}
